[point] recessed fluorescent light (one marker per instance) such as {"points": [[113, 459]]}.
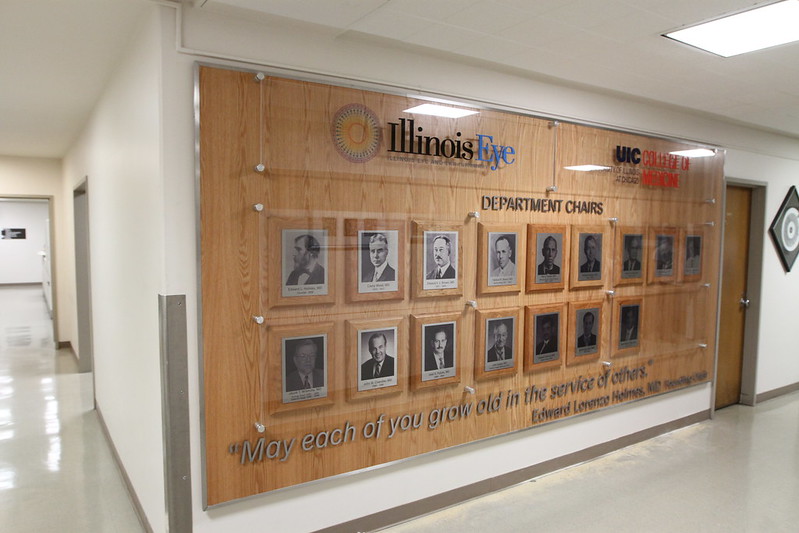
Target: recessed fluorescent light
{"points": [[440, 111], [587, 168], [696, 152], [751, 30]]}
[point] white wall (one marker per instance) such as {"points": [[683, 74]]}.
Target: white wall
{"points": [[22, 262], [119, 151], [40, 177], [751, 155]]}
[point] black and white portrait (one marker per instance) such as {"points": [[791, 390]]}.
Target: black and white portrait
{"points": [[304, 262], [590, 257], [628, 326], [549, 257], [304, 368], [693, 255], [664, 255], [377, 358], [502, 259], [439, 350], [587, 331], [377, 261], [631, 260], [547, 326], [441, 260], [499, 335]]}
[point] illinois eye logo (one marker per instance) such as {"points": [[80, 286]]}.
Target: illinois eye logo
{"points": [[356, 133]]}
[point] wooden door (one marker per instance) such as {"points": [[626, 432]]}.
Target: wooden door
{"points": [[733, 291]]}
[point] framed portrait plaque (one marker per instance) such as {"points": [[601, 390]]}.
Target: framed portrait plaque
{"points": [[587, 260], [376, 351], [586, 331], [784, 229], [549, 245], [631, 256], [437, 265], [375, 260], [627, 326], [303, 272], [545, 341], [501, 254], [298, 373], [435, 345], [693, 244], [497, 348], [664, 255]]}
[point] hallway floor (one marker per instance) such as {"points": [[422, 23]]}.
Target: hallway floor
{"points": [[57, 471], [738, 473]]}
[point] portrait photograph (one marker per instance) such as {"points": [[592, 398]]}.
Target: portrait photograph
{"points": [[588, 244], [499, 346], [692, 266], [549, 257], [299, 256], [375, 259], [440, 351], [587, 330], [305, 262], [304, 368], [545, 340], [627, 317], [378, 261], [631, 265], [547, 347], [441, 260], [436, 260], [664, 255], [377, 358], [501, 258]]}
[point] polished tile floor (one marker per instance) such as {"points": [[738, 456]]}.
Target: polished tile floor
{"points": [[56, 469], [736, 473]]}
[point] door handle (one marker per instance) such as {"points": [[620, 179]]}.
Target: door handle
{"points": [[744, 302]]}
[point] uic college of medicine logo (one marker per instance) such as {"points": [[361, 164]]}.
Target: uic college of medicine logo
{"points": [[356, 133]]}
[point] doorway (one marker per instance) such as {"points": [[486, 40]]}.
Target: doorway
{"points": [[739, 306], [83, 293]]}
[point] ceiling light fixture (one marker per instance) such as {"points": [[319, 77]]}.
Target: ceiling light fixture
{"points": [[758, 28], [696, 152], [440, 111], [587, 168]]}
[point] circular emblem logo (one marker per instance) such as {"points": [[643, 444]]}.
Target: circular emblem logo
{"points": [[356, 133], [790, 229]]}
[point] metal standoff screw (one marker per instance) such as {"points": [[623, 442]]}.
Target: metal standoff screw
{"points": [[553, 124], [468, 389], [260, 77], [610, 293], [710, 201], [702, 345], [260, 167], [258, 207], [472, 303], [552, 188], [607, 364], [613, 220], [706, 285], [474, 214], [260, 428], [258, 319], [711, 223]]}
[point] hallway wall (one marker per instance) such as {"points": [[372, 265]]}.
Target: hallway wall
{"points": [[119, 151]]}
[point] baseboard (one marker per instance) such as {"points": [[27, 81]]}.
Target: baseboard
{"points": [[481, 488], [768, 395], [137, 507]]}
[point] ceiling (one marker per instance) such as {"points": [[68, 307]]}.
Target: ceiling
{"points": [[56, 55]]}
